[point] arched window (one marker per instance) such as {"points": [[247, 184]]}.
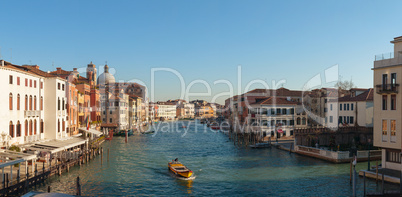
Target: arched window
{"points": [[26, 127], [26, 102], [58, 104], [41, 126], [41, 103], [30, 102], [11, 129], [18, 102], [18, 129], [298, 120], [63, 125], [304, 121], [35, 127], [10, 101], [63, 104], [30, 127], [34, 102], [58, 126]]}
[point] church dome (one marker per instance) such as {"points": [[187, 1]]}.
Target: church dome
{"points": [[105, 77]]}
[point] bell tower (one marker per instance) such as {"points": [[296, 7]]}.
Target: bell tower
{"points": [[91, 70]]}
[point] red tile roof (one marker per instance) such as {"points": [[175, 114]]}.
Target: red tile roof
{"points": [[278, 92], [61, 72], [274, 101], [365, 96]]}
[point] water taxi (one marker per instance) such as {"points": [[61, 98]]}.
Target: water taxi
{"points": [[179, 169]]}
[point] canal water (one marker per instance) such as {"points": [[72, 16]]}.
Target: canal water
{"points": [[139, 168]]}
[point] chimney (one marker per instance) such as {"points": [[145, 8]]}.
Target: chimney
{"points": [[2, 63], [36, 66], [74, 69], [58, 70]]}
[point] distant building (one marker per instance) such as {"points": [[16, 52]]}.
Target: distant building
{"points": [[355, 109], [184, 109], [166, 111], [275, 116]]}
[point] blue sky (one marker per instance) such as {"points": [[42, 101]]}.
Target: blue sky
{"points": [[207, 40]]}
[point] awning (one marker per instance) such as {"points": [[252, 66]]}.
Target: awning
{"points": [[9, 157], [109, 125], [93, 131], [54, 146]]}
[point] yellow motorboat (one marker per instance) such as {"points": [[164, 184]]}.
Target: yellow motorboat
{"points": [[179, 169]]}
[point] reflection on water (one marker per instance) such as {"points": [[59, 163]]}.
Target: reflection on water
{"points": [[186, 185], [139, 168]]}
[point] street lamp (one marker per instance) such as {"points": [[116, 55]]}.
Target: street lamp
{"points": [[368, 164]]}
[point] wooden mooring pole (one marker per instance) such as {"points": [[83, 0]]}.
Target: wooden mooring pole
{"points": [[78, 186], [376, 172], [350, 178]]}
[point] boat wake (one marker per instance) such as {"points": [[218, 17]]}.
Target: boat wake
{"points": [[192, 177]]}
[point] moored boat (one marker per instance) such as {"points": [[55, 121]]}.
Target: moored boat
{"points": [[148, 132], [261, 145], [215, 127], [179, 169]]}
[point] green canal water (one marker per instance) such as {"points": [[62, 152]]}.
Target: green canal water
{"points": [[139, 168]]}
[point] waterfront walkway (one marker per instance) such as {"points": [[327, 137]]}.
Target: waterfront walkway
{"points": [[284, 144], [392, 176]]}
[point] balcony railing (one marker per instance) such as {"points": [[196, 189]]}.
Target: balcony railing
{"points": [[388, 59], [384, 56], [31, 113], [387, 88], [31, 138]]}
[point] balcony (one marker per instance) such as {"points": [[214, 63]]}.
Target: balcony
{"points": [[31, 113], [387, 88], [31, 138]]}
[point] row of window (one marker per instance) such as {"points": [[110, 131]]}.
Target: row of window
{"points": [[345, 107], [104, 120], [273, 111], [345, 119], [30, 128], [392, 128], [29, 103], [299, 121], [385, 79], [385, 102], [58, 86], [393, 156], [27, 82], [61, 106]]}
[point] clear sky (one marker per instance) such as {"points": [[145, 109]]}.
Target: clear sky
{"points": [[206, 40]]}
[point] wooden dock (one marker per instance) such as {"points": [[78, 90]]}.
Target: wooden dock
{"points": [[23, 183]]}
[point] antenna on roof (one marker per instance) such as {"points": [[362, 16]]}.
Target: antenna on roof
{"points": [[30, 62], [52, 64]]}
